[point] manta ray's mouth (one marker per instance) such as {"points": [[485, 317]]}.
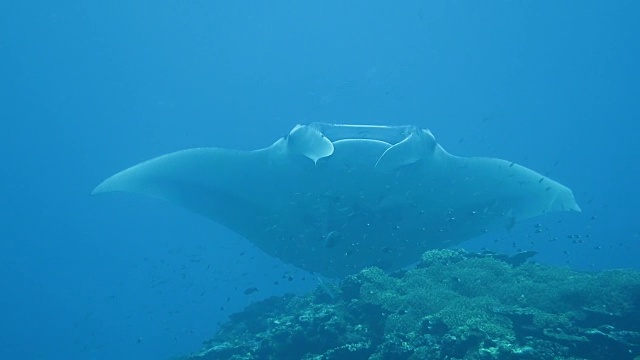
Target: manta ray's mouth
{"points": [[337, 198]]}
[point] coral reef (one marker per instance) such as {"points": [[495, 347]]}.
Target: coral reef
{"points": [[452, 305]]}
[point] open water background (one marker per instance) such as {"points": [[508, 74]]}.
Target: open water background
{"points": [[88, 88]]}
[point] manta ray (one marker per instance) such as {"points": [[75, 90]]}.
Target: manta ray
{"points": [[336, 198]]}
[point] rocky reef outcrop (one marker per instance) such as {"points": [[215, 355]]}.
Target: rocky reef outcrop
{"points": [[452, 305]]}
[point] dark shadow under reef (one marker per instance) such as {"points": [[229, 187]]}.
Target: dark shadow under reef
{"points": [[452, 305]]}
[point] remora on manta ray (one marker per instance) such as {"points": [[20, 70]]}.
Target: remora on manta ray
{"points": [[334, 198]]}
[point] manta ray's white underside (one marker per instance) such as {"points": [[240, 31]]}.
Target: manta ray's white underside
{"points": [[334, 199]]}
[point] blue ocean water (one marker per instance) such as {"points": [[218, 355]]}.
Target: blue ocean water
{"points": [[90, 88]]}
